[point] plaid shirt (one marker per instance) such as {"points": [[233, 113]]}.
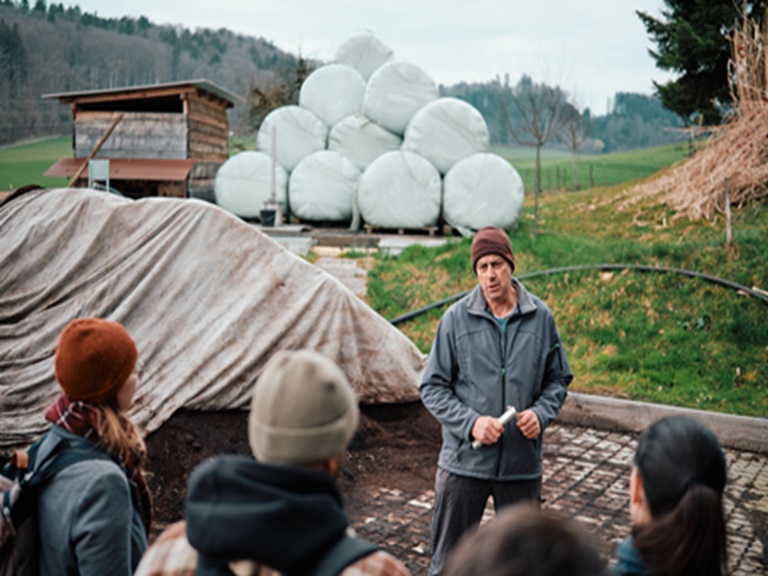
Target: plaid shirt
{"points": [[172, 555]]}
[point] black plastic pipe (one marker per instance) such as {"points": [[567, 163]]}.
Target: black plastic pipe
{"points": [[639, 267]]}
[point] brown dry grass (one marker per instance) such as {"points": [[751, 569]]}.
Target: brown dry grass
{"points": [[732, 168]]}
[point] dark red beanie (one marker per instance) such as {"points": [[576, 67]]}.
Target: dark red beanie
{"points": [[93, 359], [491, 240]]}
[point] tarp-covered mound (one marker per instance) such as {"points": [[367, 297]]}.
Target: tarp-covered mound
{"points": [[332, 92], [244, 183], [362, 140], [365, 53], [445, 131], [395, 92], [482, 190], [297, 131], [322, 187], [399, 190], [207, 297]]}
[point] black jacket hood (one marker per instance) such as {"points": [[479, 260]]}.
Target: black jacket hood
{"points": [[283, 517]]}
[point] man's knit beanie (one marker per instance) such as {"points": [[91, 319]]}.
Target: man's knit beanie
{"points": [[303, 409], [491, 240], [94, 358]]}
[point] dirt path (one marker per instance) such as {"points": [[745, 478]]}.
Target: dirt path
{"points": [[388, 478]]}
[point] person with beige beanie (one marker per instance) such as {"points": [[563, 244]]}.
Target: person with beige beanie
{"points": [[497, 352], [95, 514], [280, 513]]}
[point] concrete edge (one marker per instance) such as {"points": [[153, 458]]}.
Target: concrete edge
{"points": [[739, 432]]}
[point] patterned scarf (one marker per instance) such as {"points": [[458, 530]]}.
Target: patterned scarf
{"points": [[79, 418]]}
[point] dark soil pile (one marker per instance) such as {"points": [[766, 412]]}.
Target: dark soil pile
{"points": [[395, 446]]}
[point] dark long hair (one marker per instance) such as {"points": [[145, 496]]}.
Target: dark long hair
{"points": [[683, 469]]}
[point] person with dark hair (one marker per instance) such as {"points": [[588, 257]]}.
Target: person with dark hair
{"points": [[676, 503], [525, 541], [496, 348], [94, 515]]}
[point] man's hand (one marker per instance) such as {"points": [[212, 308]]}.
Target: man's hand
{"points": [[487, 430], [529, 424]]}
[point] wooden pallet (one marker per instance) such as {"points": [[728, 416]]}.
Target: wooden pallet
{"points": [[430, 230]]}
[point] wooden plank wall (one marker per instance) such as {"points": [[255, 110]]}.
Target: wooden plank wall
{"points": [[208, 129], [208, 143], [138, 135]]}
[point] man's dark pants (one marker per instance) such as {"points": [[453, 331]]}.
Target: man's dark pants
{"points": [[459, 505]]}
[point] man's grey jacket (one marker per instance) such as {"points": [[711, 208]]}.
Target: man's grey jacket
{"points": [[475, 370]]}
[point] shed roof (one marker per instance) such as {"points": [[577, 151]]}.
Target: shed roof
{"points": [[148, 91], [128, 169]]}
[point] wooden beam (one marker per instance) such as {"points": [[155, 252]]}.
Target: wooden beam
{"points": [[95, 150]]}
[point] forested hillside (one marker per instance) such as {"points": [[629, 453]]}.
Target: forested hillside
{"points": [[49, 49], [635, 120], [46, 48]]}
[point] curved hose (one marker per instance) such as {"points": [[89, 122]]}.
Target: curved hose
{"points": [[639, 267]]}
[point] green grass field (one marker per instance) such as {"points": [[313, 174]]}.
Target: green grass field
{"points": [[661, 338], [594, 169], [23, 164]]}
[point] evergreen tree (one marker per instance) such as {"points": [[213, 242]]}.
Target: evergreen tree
{"points": [[692, 40]]}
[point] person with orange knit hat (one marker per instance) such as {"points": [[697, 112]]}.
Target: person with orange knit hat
{"points": [[496, 348], [95, 514]]}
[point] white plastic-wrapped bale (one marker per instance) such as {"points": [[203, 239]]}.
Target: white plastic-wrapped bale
{"points": [[299, 133], [244, 182], [395, 92], [362, 140], [399, 190], [322, 187], [482, 190], [445, 131], [365, 53], [332, 92]]}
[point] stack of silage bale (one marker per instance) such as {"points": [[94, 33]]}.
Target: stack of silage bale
{"points": [[372, 140]]}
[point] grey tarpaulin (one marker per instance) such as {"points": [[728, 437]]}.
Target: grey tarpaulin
{"points": [[207, 297]]}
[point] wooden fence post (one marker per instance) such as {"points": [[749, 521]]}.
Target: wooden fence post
{"points": [[728, 235]]}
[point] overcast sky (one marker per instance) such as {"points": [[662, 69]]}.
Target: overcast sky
{"points": [[591, 48]]}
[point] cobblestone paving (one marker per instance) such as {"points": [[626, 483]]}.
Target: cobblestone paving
{"points": [[586, 476]]}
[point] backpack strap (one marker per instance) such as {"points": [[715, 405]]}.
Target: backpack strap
{"points": [[18, 503], [19, 459], [61, 456], [345, 552]]}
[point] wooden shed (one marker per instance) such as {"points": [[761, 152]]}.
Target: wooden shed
{"points": [[170, 138]]}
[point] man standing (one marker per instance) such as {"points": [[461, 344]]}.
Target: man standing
{"points": [[497, 347]]}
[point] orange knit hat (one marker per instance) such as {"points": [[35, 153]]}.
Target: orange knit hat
{"points": [[93, 359]]}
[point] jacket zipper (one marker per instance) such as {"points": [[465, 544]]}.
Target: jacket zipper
{"points": [[502, 343]]}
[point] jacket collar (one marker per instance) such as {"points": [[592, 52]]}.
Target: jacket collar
{"points": [[476, 303]]}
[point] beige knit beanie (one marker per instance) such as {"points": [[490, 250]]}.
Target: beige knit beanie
{"points": [[303, 409]]}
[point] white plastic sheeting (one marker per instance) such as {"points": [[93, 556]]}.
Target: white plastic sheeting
{"points": [[322, 187], [207, 298], [399, 190], [482, 190], [332, 92], [445, 131], [244, 183], [298, 132], [362, 140], [395, 92], [365, 52]]}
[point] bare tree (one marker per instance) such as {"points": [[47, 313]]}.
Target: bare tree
{"points": [[539, 107], [282, 90], [575, 131]]}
